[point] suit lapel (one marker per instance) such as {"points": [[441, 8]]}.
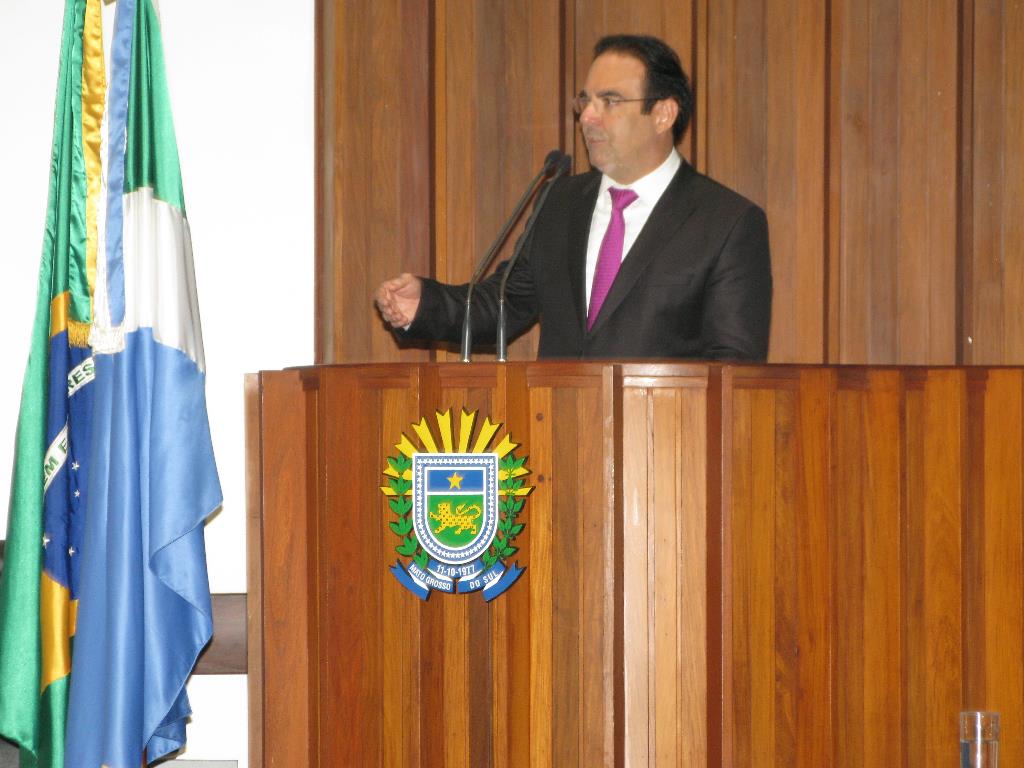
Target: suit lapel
{"points": [[670, 213], [578, 236]]}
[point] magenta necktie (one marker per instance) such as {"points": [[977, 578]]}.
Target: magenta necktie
{"points": [[609, 258]]}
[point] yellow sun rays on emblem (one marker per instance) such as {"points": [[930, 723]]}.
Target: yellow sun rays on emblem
{"points": [[444, 440]]}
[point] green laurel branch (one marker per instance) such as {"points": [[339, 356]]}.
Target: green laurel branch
{"points": [[511, 505], [401, 506]]}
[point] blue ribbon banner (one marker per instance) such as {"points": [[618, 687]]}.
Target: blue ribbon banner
{"points": [[468, 577]]}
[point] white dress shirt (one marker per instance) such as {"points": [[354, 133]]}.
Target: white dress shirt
{"points": [[649, 190]]}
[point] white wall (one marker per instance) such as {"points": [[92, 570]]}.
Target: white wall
{"points": [[241, 81]]}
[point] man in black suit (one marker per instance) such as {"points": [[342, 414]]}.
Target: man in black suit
{"points": [[641, 258]]}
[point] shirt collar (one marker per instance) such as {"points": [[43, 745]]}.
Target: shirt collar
{"points": [[649, 188]]}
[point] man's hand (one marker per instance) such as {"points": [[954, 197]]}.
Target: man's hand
{"points": [[398, 299]]}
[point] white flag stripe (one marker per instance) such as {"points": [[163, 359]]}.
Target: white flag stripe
{"points": [[159, 281]]}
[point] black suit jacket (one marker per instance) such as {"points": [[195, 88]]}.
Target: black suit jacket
{"points": [[696, 283]]}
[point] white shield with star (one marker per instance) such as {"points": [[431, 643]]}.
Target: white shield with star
{"points": [[455, 504]]}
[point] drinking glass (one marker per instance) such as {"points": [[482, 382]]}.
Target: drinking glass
{"points": [[979, 739]]}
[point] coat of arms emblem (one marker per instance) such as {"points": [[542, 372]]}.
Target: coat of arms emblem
{"points": [[454, 503]]}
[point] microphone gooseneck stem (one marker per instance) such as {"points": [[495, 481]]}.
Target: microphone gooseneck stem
{"points": [[467, 330], [502, 340], [502, 331], [553, 158]]}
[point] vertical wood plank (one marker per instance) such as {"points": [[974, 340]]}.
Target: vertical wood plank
{"points": [[851, 496], [883, 536], [895, 152], [400, 614], [349, 584], [943, 432], [796, 178], [688, 716], [1013, 160], [915, 637], [813, 727], [766, 139], [288, 598], [541, 609], [738, 717], [664, 575], [511, 620], [995, 658], [996, 267], [783, 548], [571, 656], [638, 505], [374, 168], [756, 695]]}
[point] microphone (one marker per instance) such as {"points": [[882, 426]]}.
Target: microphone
{"points": [[563, 167], [467, 333]]}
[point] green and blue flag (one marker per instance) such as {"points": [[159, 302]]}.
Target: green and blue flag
{"points": [[104, 598]]}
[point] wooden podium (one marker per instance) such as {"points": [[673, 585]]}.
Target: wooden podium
{"points": [[725, 566]]}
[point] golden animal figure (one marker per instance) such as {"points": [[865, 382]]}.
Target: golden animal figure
{"points": [[461, 519]]}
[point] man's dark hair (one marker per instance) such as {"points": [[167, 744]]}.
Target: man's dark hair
{"points": [[665, 76]]}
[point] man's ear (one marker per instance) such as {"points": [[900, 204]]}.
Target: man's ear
{"points": [[665, 112]]}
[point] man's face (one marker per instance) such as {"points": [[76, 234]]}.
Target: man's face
{"points": [[621, 141]]}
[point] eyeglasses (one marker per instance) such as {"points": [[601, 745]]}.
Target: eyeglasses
{"points": [[601, 103]]}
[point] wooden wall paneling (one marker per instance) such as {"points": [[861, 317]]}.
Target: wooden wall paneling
{"points": [[406, 738], [1013, 164], [540, 581], [374, 168], [936, 441], [773, 573], [994, 626], [864, 152], [996, 251], [368, 623], [913, 581], [682, 719], [883, 548], [638, 505], [574, 694], [665, 518], [850, 511], [867, 570], [974, 538], [835, 181], [282, 585], [897, 162], [738, 96], [718, 604], [984, 296], [811, 730], [765, 138], [762, 559], [467, 102], [779, 536], [675, 23], [510, 615], [926, 296], [796, 177], [737, 746], [569, 544], [501, 116]]}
